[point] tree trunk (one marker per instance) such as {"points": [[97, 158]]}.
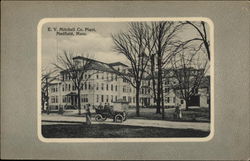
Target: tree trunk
{"points": [[158, 100], [79, 100], [137, 100], [162, 101], [187, 104], [159, 76], [153, 78]]}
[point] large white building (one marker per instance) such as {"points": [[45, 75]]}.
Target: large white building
{"points": [[103, 85]]}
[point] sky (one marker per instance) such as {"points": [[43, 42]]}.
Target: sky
{"points": [[98, 44]]}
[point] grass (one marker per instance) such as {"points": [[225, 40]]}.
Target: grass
{"points": [[192, 115], [115, 131]]}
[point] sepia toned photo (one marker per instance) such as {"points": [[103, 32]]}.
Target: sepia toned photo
{"points": [[125, 80], [122, 79]]}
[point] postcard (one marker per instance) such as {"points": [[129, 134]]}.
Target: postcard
{"points": [[125, 79]]}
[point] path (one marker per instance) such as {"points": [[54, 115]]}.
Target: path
{"points": [[55, 119]]}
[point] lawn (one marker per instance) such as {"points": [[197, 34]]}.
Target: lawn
{"points": [[115, 131], [192, 115]]}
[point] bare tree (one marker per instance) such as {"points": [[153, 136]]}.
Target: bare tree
{"points": [[164, 39], [75, 70], [46, 79], [189, 67], [133, 46], [201, 29]]}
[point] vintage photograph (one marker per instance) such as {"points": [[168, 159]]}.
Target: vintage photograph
{"points": [[127, 78]]}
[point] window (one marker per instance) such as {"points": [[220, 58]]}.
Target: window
{"points": [[129, 99], [112, 98], [174, 99], [52, 89], [102, 98], [52, 99], [63, 87], [115, 77], [102, 76], [86, 86], [68, 99], [89, 85], [133, 99], [84, 98], [64, 99], [69, 87], [97, 86], [182, 101], [107, 87], [124, 98], [166, 90], [66, 87], [116, 88], [97, 76], [115, 98], [111, 87], [102, 86], [97, 98], [107, 98], [168, 99]]}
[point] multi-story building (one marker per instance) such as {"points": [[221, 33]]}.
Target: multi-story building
{"points": [[104, 85]]}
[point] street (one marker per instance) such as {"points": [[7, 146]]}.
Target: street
{"points": [[60, 119]]}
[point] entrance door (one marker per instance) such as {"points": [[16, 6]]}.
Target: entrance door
{"points": [[194, 101], [73, 100]]}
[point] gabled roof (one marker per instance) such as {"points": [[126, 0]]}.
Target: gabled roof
{"points": [[101, 66], [117, 63]]}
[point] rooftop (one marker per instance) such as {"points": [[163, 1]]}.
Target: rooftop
{"points": [[117, 63]]}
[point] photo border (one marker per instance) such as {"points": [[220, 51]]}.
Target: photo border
{"points": [[127, 19]]}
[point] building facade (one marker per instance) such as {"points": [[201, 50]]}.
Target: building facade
{"points": [[103, 85]]}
